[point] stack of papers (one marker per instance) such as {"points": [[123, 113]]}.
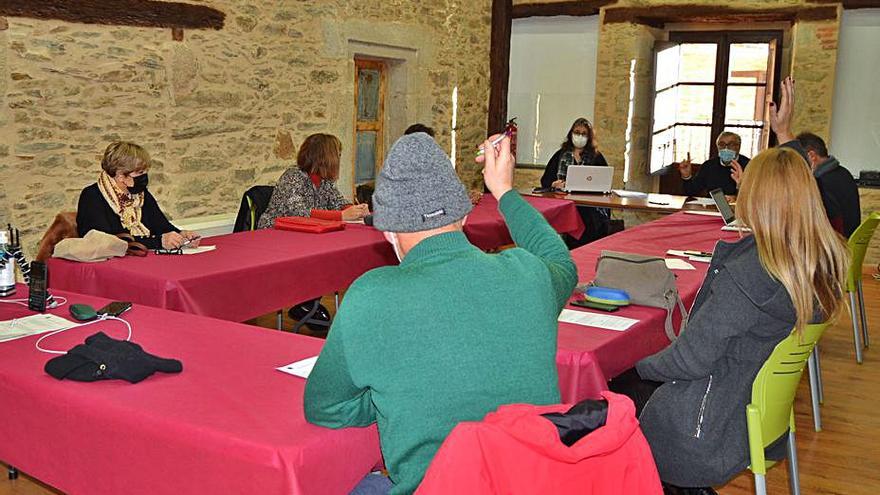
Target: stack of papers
{"points": [[608, 322], [197, 250], [31, 325], [677, 264], [690, 257], [629, 194], [701, 202], [302, 368]]}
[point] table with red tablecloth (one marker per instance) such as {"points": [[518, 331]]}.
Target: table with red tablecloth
{"points": [[249, 273], [588, 357], [253, 273], [485, 227], [229, 423]]}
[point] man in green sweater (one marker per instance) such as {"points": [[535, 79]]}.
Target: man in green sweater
{"points": [[452, 332]]}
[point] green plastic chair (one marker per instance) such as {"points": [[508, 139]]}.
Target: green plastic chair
{"points": [[858, 245], [770, 413]]}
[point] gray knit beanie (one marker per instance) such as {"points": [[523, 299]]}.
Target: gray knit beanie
{"points": [[417, 188]]}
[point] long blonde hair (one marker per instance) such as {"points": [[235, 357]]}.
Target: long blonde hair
{"points": [[779, 200]]}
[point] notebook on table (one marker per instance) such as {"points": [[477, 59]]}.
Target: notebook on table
{"points": [[308, 224]]}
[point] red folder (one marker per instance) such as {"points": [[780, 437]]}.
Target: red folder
{"points": [[308, 224]]}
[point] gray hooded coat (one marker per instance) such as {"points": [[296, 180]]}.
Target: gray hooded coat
{"points": [[696, 421]]}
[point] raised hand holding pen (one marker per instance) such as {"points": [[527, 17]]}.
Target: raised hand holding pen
{"points": [[497, 163]]}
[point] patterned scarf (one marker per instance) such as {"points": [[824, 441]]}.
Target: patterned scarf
{"points": [[126, 205]]}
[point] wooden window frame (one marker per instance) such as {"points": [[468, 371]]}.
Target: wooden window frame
{"points": [[377, 125], [723, 40]]}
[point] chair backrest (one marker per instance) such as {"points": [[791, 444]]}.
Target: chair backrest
{"points": [[63, 227], [774, 388], [858, 245], [253, 204]]}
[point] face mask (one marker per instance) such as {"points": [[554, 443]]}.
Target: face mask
{"points": [[392, 238], [726, 156], [578, 140], [140, 184]]}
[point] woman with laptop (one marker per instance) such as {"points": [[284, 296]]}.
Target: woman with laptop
{"points": [[788, 273], [579, 148]]}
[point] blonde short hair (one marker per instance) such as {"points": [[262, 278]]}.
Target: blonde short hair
{"points": [[124, 157]]}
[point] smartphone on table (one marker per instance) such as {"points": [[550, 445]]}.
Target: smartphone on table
{"points": [[583, 303], [115, 308]]}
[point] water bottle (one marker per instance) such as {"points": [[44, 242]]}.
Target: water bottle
{"points": [[7, 273]]}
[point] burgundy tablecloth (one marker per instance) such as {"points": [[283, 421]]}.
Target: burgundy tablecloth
{"points": [[254, 273], [486, 229], [229, 423], [248, 275], [588, 357]]}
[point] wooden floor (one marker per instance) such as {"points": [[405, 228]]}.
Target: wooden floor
{"points": [[843, 459]]}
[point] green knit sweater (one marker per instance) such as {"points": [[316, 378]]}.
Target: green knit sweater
{"points": [[447, 336]]}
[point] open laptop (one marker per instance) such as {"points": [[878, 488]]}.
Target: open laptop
{"points": [[730, 221], [585, 178]]}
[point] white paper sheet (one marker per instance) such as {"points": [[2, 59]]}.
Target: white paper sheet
{"points": [[608, 322], [629, 194], [31, 325], [690, 257], [197, 250], [678, 264], [302, 368], [704, 213], [701, 202]]}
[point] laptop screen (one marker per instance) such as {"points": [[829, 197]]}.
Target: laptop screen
{"points": [[723, 206]]}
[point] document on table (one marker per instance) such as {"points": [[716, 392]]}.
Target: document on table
{"points": [[704, 213], [31, 325], [302, 368], [197, 250], [629, 194], [701, 202], [690, 257], [608, 322], [677, 264]]}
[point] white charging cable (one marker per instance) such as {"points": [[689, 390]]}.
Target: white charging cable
{"points": [[100, 319], [52, 303]]}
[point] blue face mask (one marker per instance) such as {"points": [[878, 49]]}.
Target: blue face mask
{"points": [[726, 155]]}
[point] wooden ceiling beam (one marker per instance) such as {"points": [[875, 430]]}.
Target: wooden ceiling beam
{"points": [[702, 13], [140, 13], [573, 8]]}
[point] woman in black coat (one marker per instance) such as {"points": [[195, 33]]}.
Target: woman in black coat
{"points": [[579, 148], [119, 202]]}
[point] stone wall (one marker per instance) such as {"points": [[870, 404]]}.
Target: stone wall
{"points": [[224, 110]]}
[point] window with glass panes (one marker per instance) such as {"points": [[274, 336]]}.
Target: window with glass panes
{"points": [[369, 96], [709, 82]]}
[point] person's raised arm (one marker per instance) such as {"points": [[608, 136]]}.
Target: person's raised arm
{"points": [[528, 228], [781, 114]]}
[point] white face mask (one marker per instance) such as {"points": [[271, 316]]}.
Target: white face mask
{"points": [[392, 238], [578, 140]]}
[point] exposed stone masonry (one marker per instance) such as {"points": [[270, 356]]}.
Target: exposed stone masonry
{"points": [[220, 111]]}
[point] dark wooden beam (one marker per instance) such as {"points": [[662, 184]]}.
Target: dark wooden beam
{"points": [[574, 8], [499, 65], [853, 4], [702, 13], [141, 13]]}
